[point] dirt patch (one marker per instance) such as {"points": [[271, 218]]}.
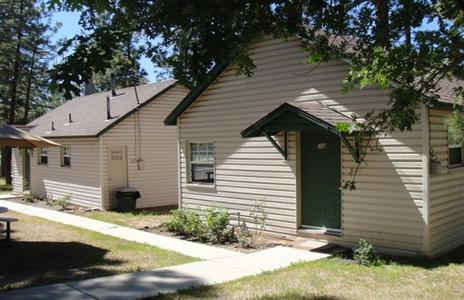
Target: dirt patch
{"points": [[261, 243], [151, 220]]}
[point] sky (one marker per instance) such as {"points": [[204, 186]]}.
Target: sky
{"points": [[70, 27]]}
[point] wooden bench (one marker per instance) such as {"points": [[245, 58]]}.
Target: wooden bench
{"points": [[8, 222]]}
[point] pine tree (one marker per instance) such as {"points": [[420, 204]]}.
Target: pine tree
{"points": [[25, 47]]}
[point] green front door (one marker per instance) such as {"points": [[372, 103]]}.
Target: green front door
{"points": [[320, 180]]}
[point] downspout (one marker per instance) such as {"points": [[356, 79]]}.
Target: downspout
{"points": [[103, 185]]}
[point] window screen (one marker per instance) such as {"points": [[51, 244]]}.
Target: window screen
{"points": [[43, 156], [66, 156], [202, 162]]}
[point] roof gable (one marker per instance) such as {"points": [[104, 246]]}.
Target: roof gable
{"points": [[445, 93], [171, 119]]}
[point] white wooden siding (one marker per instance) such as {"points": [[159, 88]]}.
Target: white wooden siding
{"points": [[386, 206], [446, 191], [16, 170], [157, 178], [81, 180]]}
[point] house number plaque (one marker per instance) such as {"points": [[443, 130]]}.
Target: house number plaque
{"points": [[321, 146]]}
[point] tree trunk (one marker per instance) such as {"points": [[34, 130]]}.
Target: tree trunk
{"points": [[27, 102], [17, 63], [407, 29], [382, 27], [408, 36], [13, 91]]}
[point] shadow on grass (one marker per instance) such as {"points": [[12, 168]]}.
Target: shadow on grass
{"points": [[28, 263], [455, 256]]}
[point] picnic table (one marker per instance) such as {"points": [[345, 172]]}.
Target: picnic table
{"points": [[7, 221]]}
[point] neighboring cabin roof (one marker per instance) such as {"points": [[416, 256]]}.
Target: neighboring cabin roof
{"points": [[312, 112], [447, 87], [89, 112]]}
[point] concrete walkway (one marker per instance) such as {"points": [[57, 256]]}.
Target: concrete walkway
{"points": [[197, 250], [219, 266], [168, 280]]}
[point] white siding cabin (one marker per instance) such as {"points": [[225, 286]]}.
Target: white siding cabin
{"points": [[397, 204], [125, 144]]}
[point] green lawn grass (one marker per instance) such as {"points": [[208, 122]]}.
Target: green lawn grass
{"points": [[45, 252], [136, 219], [339, 278]]}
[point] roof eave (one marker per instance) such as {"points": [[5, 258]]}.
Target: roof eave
{"points": [[171, 119], [255, 129]]}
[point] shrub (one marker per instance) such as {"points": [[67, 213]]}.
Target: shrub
{"points": [[29, 198], [186, 222], [217, 220], [194, 225], [63, 201], [247, 238], [212, 226], [258, 215], [244, 236], [176, 221], [365, 254]]}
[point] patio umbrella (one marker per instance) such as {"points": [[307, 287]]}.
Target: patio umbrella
{"points": [[11, 136]]}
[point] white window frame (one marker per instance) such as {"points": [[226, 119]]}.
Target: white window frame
{"points": [[461, 164], [63, 155], [39, 157], [191, 162], [454, 146]]}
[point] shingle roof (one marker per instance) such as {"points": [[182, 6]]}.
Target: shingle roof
{"points": [[322, 112], [89, 113], [447, 87], [312, 112]]}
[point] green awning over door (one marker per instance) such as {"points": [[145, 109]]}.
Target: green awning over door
{"points": [[300, 116]]}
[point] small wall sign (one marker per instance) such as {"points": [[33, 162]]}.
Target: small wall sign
{"points": [[321, 146]]}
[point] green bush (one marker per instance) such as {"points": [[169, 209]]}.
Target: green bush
{"points": [[217, 220], [365, 254], [63, 201], [29, 198], [194, 226], [186, 222], [177, 221], [212, 226]]}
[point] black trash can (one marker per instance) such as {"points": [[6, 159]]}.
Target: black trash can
{"points": [[126, 199]]}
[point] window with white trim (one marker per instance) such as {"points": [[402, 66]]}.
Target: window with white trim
{"points": [[66, 156], [43, 156], [201, 162], [455, 157]]}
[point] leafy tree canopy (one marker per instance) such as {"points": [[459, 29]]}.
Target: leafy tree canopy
{"points": [[385, 41]]}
